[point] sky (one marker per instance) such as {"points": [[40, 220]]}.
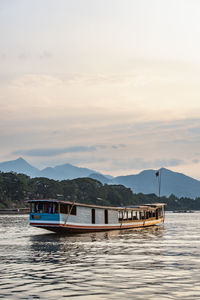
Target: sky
{"points": [[111, 85]]}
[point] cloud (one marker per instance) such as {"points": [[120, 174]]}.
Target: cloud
{"points": [[118, 146], [23, 56], [195, 130], [55, 151], [195, 161], [3, 56], [45, 55], [90, 161]]}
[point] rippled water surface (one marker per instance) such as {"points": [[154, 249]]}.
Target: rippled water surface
{"points": [[161, 262]]}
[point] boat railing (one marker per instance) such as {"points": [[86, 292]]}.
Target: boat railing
{"points": [[137, 220]]}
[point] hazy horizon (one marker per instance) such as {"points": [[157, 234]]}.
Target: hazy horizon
{"points": [[113, 85], [95, 171]]}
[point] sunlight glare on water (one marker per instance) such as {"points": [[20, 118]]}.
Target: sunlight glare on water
{"points": [[161, 262]]}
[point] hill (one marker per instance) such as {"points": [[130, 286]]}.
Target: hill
{"points": [[145, 182], [15, 189], [103, 179]]}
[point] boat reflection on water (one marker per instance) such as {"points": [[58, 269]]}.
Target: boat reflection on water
{"points": [[99, 236], [61, 247]]}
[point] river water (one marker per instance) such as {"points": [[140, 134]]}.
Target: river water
{"points": [[161, 262]]}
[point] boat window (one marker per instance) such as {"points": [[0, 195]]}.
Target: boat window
{"points": [[67, 208], [124, 215], [39, 207], [73, 210], [106, 216], [156, 214], [63, 208], [120, 215], [142, 215], [55, 208], [129, 215], [134, 215], [93, 216], [44, 207]]}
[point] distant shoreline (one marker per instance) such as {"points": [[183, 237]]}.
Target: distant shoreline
{"points": [[26, 211], [16, 211]]}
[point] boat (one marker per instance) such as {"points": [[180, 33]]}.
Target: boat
{"points": [[64, 216]]}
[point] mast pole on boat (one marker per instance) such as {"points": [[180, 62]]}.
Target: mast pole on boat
{"points": [[158, 174], [159, 183]]}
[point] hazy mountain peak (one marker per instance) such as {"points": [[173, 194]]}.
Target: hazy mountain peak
{"points": [[19, 165], [171, 183], [21, 160]]}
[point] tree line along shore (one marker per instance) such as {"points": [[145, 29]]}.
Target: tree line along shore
{"points": [[16, 189]]}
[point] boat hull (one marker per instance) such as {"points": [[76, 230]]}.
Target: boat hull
{"points": [[81, 228]]}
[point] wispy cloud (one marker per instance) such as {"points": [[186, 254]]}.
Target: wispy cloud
{"points": [[118, 146], [195, 130], [46, 55], [195, 161], [55, 151]]}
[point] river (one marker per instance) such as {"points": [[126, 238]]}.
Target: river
{"points": [[161, 262]]}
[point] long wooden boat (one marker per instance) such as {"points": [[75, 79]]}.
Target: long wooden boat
{"points": [[64, 216]]}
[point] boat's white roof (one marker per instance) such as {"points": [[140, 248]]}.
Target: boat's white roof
{"points": [[142, 207]]}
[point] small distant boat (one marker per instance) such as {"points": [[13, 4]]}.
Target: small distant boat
{"points": [[63, 216]]}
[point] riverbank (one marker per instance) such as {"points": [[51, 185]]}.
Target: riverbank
{"points": [[16, 211]]}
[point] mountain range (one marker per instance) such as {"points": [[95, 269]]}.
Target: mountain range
{"points": [[145, 182], [61, 172]]}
